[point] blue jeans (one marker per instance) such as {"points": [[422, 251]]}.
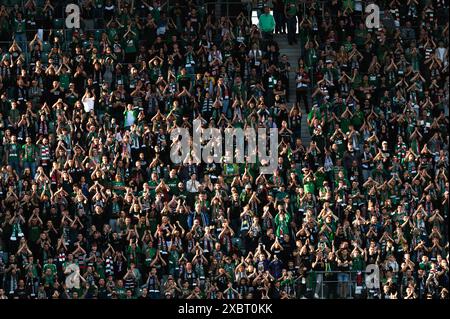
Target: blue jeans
{"points": [[15, 165], [21, 39], [190, 70], [113, 224], [365, 174], [226, 108], [343, 277]]}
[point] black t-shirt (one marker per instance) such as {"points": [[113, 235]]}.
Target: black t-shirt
{"points": [[287, 252], [235, 209], [21, 293], [222, 282], [79, 83], [342, 260], [319, 265], [184, 81]]}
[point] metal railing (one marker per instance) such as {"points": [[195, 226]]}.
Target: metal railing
{"points": [[338, 285], [226, 8]]}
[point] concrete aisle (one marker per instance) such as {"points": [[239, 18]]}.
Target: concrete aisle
{"points": [[293, 53]]}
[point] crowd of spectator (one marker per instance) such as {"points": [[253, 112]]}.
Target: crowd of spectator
{"points": [[91, 205]]}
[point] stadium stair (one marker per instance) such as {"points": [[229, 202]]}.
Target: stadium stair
{"points": [[293, 53]]}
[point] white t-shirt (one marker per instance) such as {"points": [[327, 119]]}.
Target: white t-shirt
{"points": [[88, 104], [73, 277], [192, 186], [440, 52]]}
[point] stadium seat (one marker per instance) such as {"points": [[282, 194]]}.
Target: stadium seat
{"points": [[58, 23], [10, 91], [44, 57], [59, 33], [27, 57], [69, 33], [46, 47], [12, 3], [98, 35]]}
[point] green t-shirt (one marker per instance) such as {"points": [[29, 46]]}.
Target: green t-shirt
{"points": [[121, 293], [4, 27], [311, 57], [150, 254], [360, 36], [64, 81], [49, 280], [19, 26], [282, 224], [130, 45], [14, 114], [156, 14], [111, 33], [348, 4], [348, 46], [173, 184], [34, 233], [309, 187], [358, 263], [266, 22], [13, 151], [52, 267], [320, 177], [29, 153], [118, 184], [291, 7], [345, 122], [71, 99], [358, 119]]}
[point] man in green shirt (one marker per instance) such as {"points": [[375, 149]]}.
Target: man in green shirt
{"points": [[12, 153], [120, 290], [282, 221], [266, 23], [129, 45], [311, 54], [173, 181], [29, 156], [51, 266], [19, 31], [14, 115]]}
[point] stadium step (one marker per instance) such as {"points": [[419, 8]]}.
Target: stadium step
{"points": [[293, 53]]}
